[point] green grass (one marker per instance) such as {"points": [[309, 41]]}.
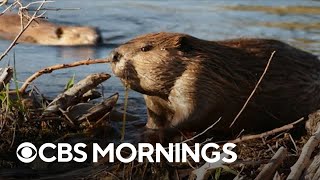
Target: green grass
{"points": [[70, 83]]}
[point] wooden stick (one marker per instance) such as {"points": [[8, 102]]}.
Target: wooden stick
{"points": [[194, 137], [254, 90], [268, 170], [276, 130], [59, 66], [304, 159]]}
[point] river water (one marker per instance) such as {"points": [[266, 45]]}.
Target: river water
{"points": [[122, 20]]}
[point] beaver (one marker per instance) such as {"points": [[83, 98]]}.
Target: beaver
{"points": [[46, 33], [189, 83]]}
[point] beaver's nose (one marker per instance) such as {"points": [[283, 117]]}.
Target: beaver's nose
{"points": [[114, 56]]}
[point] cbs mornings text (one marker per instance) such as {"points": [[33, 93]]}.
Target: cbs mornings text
{"points": [[174, 152]]}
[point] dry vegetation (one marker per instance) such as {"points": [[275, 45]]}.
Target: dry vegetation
{"points": [[26, 115]]}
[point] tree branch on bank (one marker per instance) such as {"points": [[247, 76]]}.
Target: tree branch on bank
{"points": [[59, 66], [267, 133]]}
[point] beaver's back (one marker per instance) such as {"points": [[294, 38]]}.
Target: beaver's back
{"points": [[291, 87]]}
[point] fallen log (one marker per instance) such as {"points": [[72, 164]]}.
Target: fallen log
{"points": [[74, 95]]}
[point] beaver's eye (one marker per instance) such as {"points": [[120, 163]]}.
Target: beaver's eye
{"points": [[114, 56], [146, 48], [59, 32]]}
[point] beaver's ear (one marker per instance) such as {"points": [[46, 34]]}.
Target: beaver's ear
{"points": [[183, 44], [59, 32]]}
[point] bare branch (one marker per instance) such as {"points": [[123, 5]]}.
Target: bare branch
{"points": [[59, 66], [268, 133], [190, 139], [9, 7]]}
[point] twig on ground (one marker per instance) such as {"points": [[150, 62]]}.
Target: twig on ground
{"points": [[238, 177], [269, 169], [254, 162], [276, 130], [59, 66], [194, 137], [114, 176], [294, 144], [67, 119], [304, 159], [277, 176], [254, 90]]}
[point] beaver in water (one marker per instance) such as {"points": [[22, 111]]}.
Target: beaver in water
{"points": [[188, 83], [46, 33]]}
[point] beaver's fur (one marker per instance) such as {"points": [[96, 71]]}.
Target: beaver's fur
{"points": [[188, 83], [46, 33]]}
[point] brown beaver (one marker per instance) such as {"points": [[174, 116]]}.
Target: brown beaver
{"points": [[188, 83], [46, 33]]}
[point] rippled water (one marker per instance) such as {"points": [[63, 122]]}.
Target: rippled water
{"points": [[120, 21]]}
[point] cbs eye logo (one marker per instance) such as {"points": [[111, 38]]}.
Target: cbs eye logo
{"points": [[24, 152]]}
